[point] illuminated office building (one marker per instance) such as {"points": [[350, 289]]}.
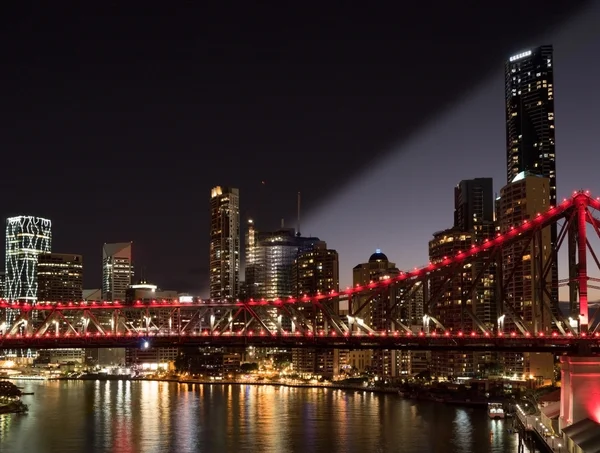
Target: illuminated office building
{"points": [[117, 270], [26, 238], [530, 127], [270, 258], [529, 93], [60, 277], [521, 200], [317, 271], [224, 243]]}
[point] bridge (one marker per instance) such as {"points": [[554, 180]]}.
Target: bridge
{"points": [[316, 320]]}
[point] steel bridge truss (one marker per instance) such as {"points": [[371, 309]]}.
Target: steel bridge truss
{"points": [[295, 321]]}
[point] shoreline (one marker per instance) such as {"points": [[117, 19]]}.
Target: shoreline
{"points": [[354, 388], [234, 382]]}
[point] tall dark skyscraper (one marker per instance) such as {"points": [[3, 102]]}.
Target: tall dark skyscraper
{"points": [[530, 147], [224, 243], [474, 207], [529, 93]]}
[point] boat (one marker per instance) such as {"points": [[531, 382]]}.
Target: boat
{"points": [[495, 411]]}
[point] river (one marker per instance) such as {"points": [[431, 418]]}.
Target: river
{"points": [[161, 417]]}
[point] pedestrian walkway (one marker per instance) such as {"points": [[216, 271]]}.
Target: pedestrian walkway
{"points": [[533, 423]]}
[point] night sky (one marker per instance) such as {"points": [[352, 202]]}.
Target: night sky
{"points": [[117, 120]]}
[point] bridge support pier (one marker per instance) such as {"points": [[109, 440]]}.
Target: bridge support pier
{"points": [[580, 390]]}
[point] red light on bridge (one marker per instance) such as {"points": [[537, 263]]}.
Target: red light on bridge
{"points": [[541, 334], [473, 334], [527, 334], [500, 334], [446, 334], [460, 334], [487, 334], [513, 334], [421, 334]]}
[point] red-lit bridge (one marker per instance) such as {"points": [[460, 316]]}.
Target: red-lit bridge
{"points": [[316, 321]]}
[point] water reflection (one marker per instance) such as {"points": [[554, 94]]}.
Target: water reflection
{"points": [[149, 417]]}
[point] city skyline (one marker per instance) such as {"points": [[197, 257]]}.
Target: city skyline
{"points": [[268, 195]]}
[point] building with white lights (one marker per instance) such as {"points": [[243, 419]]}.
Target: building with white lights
{"points": [[117, 270], [26, 238], [224, 243]]}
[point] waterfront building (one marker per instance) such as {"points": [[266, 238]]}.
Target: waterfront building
{"points": [[26, 238], [224, 267], [316, 271], [530, 128], [117, 270], [60, 277], [521, 200]]}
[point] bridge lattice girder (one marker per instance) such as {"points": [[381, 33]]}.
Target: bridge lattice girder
{"points": [[318, 316]]}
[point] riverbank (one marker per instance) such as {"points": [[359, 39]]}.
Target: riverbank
{"points": [[236, 382]]}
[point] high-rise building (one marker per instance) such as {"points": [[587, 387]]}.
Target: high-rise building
{"points": [[317, 271], [474, 207], [26, 238], [2, 285], [474, 214], [453, 300], [521, 200], [377, 313], [224, 243], [529, 94], [530, 124], [270, 258], [60, 277], [117, 270]]}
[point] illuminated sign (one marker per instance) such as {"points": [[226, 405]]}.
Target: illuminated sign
{"points": [[520, 55], [184, 299]]}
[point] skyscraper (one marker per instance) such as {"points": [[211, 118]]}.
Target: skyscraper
{"points": [[26, 238], [224, 243], [270, 257], [60, 277], [317, 271], [474, 214], [117, 270], [530, 147], [474, 207], [529, 94]]}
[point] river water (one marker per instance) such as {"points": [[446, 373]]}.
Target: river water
{"points": [[161, 417]]}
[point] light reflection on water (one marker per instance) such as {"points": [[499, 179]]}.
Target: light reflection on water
{"points": [[154, 417]]}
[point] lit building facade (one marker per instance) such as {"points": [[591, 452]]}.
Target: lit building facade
{"points": [[453, 298], [117, 270], [530, 126], [376, 313], [224, 243], [474, 214], [26, 238], [2, 284], [530, 123], [60, 277], [317, 271], [270, 259], [519, 201]]}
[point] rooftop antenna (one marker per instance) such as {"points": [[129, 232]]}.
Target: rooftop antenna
{"points": [[298, 226], [282, 224]]}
